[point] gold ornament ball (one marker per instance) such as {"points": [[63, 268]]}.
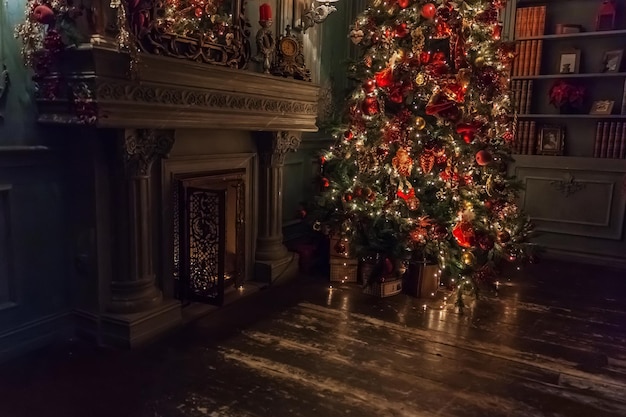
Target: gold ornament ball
{"points": [[420, 122], [420, 79], [468, 258], [480, 61]]}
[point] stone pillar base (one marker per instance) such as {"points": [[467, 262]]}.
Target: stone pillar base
{"points": [[135, 329], [277, 271]]}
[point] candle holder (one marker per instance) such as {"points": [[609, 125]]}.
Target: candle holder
{"points": [[265, 42], [266, 45]]}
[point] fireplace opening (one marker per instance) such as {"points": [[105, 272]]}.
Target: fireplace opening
{"points": [[209, 235]]}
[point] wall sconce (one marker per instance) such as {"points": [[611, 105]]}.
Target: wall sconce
{"points": [[317, 14]]}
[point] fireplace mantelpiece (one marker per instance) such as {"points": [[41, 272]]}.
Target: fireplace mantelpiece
{"points": [[119, 174], [171, 94]]}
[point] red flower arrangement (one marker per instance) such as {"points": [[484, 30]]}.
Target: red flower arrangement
{"points": [[563, 94]]}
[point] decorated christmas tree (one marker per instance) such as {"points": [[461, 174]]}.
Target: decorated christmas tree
{"points": [[419, 170]]}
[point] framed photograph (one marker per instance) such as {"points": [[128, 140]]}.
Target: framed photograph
{"points": [[551, 140], [602, 107], [612, 60], [569, 61]]}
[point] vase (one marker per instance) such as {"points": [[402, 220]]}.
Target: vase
{"points": [[568, 109]]}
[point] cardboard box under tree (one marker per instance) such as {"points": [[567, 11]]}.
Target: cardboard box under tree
{"points": [[421, 280], [343, 270], [383, 289]]}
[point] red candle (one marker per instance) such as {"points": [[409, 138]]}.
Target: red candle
{"points": [[265, 11]]}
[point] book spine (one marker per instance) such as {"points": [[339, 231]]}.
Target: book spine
{"points": [[529, 97], [518, 96], [598, 140], [611, 141], [524, 25], [532, 141], [618, 136], [526, 58], [605, 139], [516, 60], [537, 62], [523, 96], [532, 56], [542, 20], [533, 23], [622, 145], [624, 99]]}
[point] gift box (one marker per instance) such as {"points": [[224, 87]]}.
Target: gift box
{"points": [[343, 270], [421, 280], [385, 288]]}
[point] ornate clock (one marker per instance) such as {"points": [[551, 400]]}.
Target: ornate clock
{"points": [[289, 60]]}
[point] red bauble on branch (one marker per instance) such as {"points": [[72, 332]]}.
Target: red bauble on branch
{"points": [[43, 14], [483, 158], [429, 11], [404, 3]]}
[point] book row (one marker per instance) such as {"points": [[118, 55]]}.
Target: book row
{"points": [[522, 95], [610, 141], [530, 21], [525, 138], [527, 58]]}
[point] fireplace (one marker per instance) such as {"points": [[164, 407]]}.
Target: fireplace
{"points": [[176, 136], [209, 236]]}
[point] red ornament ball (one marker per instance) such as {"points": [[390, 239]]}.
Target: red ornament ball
{"points": [[404, 3], [348, 135], [325, 183], [429, 11], [43, 14], [483, 158]]}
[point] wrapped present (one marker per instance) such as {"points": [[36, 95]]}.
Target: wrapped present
{"points": [[343, 270]]}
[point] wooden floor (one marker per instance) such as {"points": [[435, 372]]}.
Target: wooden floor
{"points": [[550, 342]]}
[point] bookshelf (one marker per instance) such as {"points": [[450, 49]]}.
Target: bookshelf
{"points": [[575, 194]]}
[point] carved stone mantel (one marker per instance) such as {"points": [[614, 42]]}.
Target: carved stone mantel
{"points": [[171, 94]]}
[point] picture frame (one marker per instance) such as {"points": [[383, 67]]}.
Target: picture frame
{"points": [[602, 107], [612, 60], [551, 140], [569, 61]]}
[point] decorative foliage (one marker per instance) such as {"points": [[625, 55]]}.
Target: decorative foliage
{"points": [[49, 25], [563, 93], [420, 171]]}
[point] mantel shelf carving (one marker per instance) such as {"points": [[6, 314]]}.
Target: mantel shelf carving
{"points": [[169, 93]]}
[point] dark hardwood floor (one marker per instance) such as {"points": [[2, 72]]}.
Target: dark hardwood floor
{"points": [[550, 342]]}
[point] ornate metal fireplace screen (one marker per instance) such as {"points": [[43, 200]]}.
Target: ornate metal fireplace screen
{"points": [[200, 236], [208, 31]]}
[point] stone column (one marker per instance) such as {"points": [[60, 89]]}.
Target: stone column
{"points": [[134, 289], [272, 258]]}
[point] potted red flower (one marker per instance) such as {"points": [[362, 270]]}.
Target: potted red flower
{"points": [[568, 98]]}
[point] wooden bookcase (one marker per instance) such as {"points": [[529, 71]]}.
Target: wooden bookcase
{"points": [[576, 200]]}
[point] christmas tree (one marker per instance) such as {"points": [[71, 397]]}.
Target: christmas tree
{"points": [[419, 170]]}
